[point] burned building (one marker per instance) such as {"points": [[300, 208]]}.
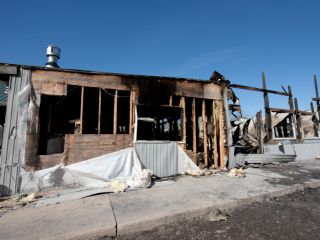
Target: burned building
{"points": [[56, 115]]}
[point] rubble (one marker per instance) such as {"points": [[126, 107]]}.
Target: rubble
{"points": [[237, 173]]}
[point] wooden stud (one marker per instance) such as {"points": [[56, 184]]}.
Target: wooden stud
{"points": [[259, 131], [221, 135], [315, 121], [215, 133], [132, 106], [316, 86], [115, 112], [267, 109], [99, 112], [184, 122], [204, 127], [298, 116], [170, 100], [290, 101], [317, 97], [194, 130], [81, 110]]}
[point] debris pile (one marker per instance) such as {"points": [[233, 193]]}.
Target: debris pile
{"points": [[237, 173]]}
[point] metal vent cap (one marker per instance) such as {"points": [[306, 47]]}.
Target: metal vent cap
{"points": [[53, 54]]}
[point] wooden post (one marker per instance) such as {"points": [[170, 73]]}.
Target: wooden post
{"points": [[81, 110], [99, 112], [267, 110], [221, 135], [215, 133], [204, 127], [115, 112], [183, 106], [290, 101], [315, 121], [317, 96], [294, 114], [259, 131], [298, 115], [132, 105], [194, 130]]}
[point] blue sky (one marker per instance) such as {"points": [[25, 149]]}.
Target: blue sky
{"points": [[183, 38]]}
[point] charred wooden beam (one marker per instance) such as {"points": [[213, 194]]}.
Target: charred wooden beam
{"points": [[315, 121], [221, 135], [234, 107], [306, 113], [258, 89], [81, 110], [317, 99], [132, 107], [267, 109], [215, 134], [316, 86], [99, 112], [281, 110], [290, 100], [184, 123], [259, 126], [204, 127], [298, 116], [115, 112], [6, 69], [194, 130]]}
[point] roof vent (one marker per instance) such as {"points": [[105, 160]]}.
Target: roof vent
{"points": [[53, 54]]}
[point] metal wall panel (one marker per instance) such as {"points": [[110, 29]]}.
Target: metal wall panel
{"points": [[161, 157], [309, 149], [10, 152]]}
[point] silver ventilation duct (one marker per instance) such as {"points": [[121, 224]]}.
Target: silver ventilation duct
{"points": [[53, 54]]}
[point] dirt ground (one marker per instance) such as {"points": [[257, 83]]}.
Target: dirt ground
{"points": [[295, 216]]}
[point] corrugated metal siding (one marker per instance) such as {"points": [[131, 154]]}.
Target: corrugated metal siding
{"points": [[310, 149], [3, 94], [10, 153], [160, 157]]}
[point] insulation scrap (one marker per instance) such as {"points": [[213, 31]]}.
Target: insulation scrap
{"points": [[193, 172], [200, 172], [237, 173], [26, 198], [117, 186], [146, 177]]}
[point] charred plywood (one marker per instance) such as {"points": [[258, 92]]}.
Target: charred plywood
{"points": [[80, 79], [79, 147], [148, 87]]}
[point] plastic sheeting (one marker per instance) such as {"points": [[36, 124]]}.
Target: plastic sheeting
{"points": [[122, 166]]}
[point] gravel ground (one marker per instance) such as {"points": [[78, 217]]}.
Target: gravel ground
{"points": [[295, 216]]}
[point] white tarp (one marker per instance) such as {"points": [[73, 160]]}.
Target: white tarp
{"points": [[122, 165], [117, 170]]}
